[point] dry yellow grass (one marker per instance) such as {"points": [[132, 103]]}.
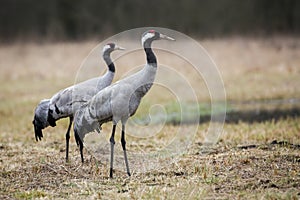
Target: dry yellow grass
{"points": [[226, 170], [243, 164]]}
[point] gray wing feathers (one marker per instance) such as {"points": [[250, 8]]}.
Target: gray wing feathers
{"points": [[41, 113], [116, 102], [70, 99], [94, 113], [40, 118]]}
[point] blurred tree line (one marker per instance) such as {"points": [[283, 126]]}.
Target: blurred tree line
{"points": [[80, 19]]}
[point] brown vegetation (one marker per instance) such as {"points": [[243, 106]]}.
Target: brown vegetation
{"points": [[247, 162]]}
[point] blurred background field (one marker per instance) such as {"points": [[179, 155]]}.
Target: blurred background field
{"points": [[256, 46], [65, 19]]}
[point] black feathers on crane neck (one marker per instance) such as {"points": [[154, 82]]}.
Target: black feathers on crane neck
{"points": [[110, 64], [151, 58]]}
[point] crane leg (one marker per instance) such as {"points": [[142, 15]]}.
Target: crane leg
{"points": [[80, 144], [123, 142], [112, 143], [68, 139], [81, 150]]}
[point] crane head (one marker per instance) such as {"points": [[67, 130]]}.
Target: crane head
{"points": [[110, 47], [152, 35]]}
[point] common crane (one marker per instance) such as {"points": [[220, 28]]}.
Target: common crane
{"points": [[65, 103], [119, 101]]}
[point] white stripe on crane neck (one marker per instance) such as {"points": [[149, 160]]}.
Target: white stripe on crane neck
{"points": [[106, 47], [146, 37]]}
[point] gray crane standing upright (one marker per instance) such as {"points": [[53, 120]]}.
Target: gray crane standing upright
{"points": [[66, 102], [119, 101]]}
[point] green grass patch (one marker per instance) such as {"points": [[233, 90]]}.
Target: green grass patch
{"points": [[33, 194]]}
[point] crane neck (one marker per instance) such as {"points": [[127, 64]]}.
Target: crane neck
{"points": [[151, 59], [108, 61]]}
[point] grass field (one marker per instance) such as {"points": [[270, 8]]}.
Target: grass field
{"points": [[257, 155]]}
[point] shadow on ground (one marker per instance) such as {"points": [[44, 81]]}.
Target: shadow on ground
{"points": [[257, 115], [248, 112], [261, 115]]}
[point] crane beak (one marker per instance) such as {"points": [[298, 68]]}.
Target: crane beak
{"points": [[165, 37], [119, 48]]}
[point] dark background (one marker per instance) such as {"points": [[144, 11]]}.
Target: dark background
{"points": [[83, 19]]}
